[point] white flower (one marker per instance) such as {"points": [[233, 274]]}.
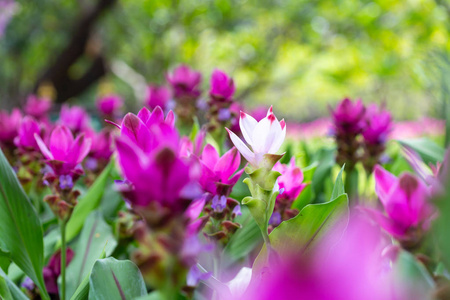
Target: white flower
{"points": [[264, 137]]}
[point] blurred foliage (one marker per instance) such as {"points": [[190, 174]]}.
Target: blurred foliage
{"points": [[299, 55]]}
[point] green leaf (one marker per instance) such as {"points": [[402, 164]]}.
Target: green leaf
{"points": [[14, 291], [95, 234], [115, 279], [89, 202], [195, 129], [4, 261], [338, 188], [21, 231], [428, 150], [5, 294], [308, 228], [82, 292], [326, 161]]}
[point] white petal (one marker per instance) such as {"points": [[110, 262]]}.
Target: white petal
{"points": [[247, 124], [266, 134], [243, 149], [279, 139]]}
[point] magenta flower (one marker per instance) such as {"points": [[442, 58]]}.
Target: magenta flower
{"points": [[348, 117], [9, 124], [27, 130], [406, 201], [102, 146], [109, 105], [65, 152], [75, 118], [188, 148], [53, 270], [290, 181], [222, 86], [378, 125], [217, 172], [37, 107], [157, 96], [265, 136], [185, 82]]}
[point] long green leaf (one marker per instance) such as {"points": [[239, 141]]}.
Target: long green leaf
{"points": [[338, 188], [87, 204], [14, 291], [95, 234], [115, 279], [20, 229]]}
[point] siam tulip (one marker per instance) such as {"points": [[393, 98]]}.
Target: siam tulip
{"points": [[217, 172], [222, 86], [188, 147], [9, 124], [75, 118], [185, 82], [406, 201], [348, 117], [264, 137], [37, 107], [109, 105], [157, 96], [53, 269], [25, 139]]}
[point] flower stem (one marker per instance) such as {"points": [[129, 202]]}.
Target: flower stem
{"points": [[62, 225]]}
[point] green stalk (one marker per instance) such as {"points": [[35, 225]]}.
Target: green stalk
{"points": [[62, 227]]}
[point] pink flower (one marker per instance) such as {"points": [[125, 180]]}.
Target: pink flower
{"points": [[53, 270], [217, 172], [75, 118], [378, 125], [102, 144], [109, 105], [27, 130], [406, 203], [290, 181], [157, 96], [265, 136], [185, 82], [65, 152], [37, 107], [9, 125], [348, 116], [188, 148], [222, 86]]}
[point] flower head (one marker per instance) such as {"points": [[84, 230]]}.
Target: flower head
{"points": [[378, 125], [110, 104], [9, 124], [264, 137], [75, 118], [185, 82], [348, 116], [406, 202], [65, 152], [37, 107], [157, 96], [222, 86], [27, 130], [290, 180]]}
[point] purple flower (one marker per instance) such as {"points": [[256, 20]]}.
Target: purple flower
{"points": [[378, 125], [27, 130], [37, 107], [109, 105], [219, 203], [348, 117], [406, 201], [65, 152], [65, 182], [275, 219], [185, 82], [75, 118], [157, 96], [9, 125], [290, 181], [222, 86], [194, 276], [217, 172], [224, 114], [237, 211]]}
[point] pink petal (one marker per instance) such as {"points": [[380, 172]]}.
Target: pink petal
{"points": [[386, 223], [228, 164], [80, 148], [60, 142], [47, 154], [384, 180], [144, 114], [210, 157], [135, 129], [170, 119], [156, 117]]}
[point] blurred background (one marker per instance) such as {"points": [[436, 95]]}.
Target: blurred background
{"points": [[299, 55]]}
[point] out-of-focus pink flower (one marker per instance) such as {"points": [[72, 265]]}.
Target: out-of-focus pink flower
{"points": [[290, 181], [259, 113], [102, 146], [265, 136], [378, 125], [65, 152], [75, 118], [53, 270], [217, 172], [27, 130], [185, 82], [109, 105], [157, 96], [348, 117], [222, 86], [406, 202], [9, 125], [37, 107], [188, 148], [350, 270]]}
